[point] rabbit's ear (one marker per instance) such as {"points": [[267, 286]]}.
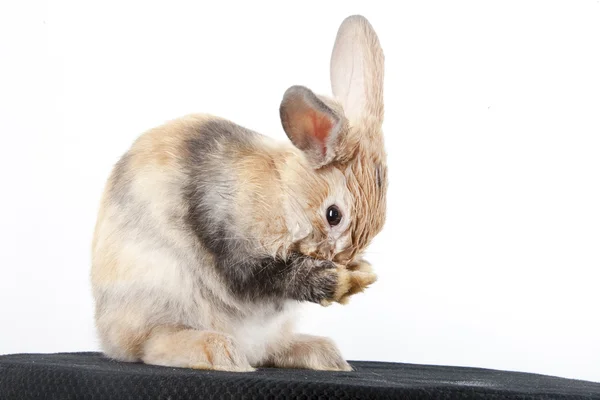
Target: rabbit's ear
{"points": [[311, 125], [356, 70]]}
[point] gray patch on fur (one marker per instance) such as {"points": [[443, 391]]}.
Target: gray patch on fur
{"points": [[210, 187]]}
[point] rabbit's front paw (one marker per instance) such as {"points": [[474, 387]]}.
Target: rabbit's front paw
{"points": [[351, 279]]}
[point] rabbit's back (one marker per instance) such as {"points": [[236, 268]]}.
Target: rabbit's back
{"points": [[153, 258]]}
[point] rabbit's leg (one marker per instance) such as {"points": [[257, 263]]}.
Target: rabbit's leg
{"points": [[310, 352], [189, 348], [299, 277]]}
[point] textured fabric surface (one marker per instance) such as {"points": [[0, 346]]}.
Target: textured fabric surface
{"points": [[92, 376]]}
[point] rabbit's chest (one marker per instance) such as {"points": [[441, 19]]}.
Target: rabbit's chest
{"points": [[261, 333]]}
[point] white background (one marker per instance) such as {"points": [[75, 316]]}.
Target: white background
{"points": [[491, 251]]}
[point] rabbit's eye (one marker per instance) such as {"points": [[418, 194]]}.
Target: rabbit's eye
{"points": [[334, 215]]}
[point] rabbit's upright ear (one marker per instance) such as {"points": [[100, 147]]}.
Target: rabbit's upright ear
{"points": [[356, 70], [312, 126]]}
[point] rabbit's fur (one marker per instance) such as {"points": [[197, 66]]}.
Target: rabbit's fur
{"points": [[209, 235]]}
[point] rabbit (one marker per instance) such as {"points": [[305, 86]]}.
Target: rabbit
{"points": [[209, 236]]}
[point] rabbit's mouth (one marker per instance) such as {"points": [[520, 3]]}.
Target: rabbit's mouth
{"points": [[323, 248], [320, 253], [327, 252]]}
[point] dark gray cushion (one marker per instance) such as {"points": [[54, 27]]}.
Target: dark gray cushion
{"points": [[92, 376]]}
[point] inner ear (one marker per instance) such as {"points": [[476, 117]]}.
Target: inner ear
{"points": [[310, 124]]}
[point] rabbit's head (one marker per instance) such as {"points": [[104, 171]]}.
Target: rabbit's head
{"points": [[338, 201]]}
